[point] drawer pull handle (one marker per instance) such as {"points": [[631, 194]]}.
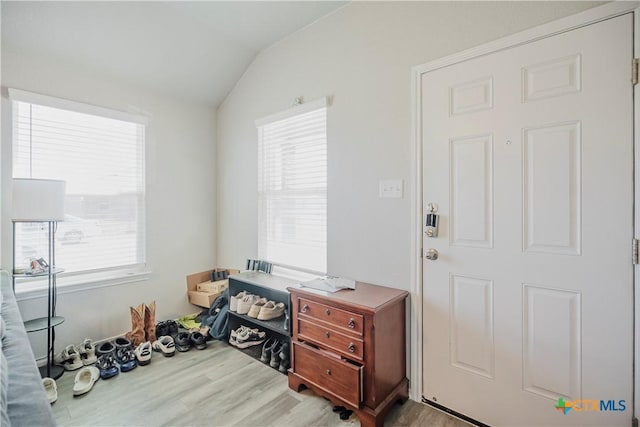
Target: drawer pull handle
{"points": [[352, 347], [352, 323], [328, 371], [328, 312], [305, 308], [328, 334]]}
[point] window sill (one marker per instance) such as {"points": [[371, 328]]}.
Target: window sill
{"points": [[69, 285]]}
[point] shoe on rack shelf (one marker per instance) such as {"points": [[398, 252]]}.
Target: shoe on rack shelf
{"points": [[249, 338], [244, 305], [275, 355], [233, 301], [51, 388], [108, 366], [143, 353], [285, 356], [85, 379], [126, 357], [198, 340], [265, 357], [87, 352], [235, 332], [271, 310], [255, 308], [284, 366], [69, 358], [183, 342], [165, 345]]}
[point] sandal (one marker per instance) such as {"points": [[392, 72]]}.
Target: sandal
{"points": [[85, 379], [50, 388], [127, 359], [107, 365]]}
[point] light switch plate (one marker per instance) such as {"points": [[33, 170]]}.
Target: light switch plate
{"points": [[390, 188]]}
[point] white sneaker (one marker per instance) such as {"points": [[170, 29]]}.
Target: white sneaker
{"points": [[143, 353], [85, 379], [233, 301], [254, 311], [244, 305], [51, 388], [240, 331], [271, 310], [87, 352], [69, 358], [165, 345]]}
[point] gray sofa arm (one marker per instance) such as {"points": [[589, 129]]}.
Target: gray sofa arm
{"points": [[26, 400]]}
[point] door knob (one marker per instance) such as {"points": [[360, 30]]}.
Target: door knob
{"points": [[431, 254]]}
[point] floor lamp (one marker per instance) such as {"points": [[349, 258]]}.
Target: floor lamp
{"points": [[41, 200]]}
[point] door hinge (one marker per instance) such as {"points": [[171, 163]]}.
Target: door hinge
{"points": [[634, 70], [635, 252]]}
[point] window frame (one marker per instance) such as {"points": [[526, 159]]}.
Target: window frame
{"points": [[69, 282], [283, 115]]}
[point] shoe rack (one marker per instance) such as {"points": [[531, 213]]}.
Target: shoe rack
{"points": [[272, 288]]}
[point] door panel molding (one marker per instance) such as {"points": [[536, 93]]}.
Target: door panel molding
{"points": [[579, 20]]}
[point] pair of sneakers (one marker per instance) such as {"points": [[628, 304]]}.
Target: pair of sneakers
{"points": [[276, 354], [76, 356], [166, 328], [185, 340], [245, 337], [116, 356]]}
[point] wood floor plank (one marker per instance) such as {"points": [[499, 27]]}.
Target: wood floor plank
{"points": [[218, 386]]}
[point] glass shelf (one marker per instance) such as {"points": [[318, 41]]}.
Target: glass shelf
{"points": [[42, 323], [54, 271]]}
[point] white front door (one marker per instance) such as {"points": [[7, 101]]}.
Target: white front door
{"points": [[528, 154]]}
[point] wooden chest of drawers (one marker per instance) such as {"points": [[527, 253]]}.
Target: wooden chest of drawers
{"points": [[350, 347]]}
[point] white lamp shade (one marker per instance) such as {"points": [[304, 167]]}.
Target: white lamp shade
{"points": [[38, 200]]}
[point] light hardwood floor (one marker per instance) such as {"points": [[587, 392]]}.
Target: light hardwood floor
{"points": [[218, 386]]}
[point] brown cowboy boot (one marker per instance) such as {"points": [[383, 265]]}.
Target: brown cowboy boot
{"points": [[150, 322], [136, 336]]}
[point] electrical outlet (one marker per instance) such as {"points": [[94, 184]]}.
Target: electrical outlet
{"points": [[390, 188]]}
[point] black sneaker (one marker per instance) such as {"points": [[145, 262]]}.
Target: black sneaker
{"points": [[172, 328], [198, 340], [161, 329], [183, 341], [266, 350]]}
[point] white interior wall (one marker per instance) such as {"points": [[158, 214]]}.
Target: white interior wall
{"points": [[361, 56], [180, 199]]}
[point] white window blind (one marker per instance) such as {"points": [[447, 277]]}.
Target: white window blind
{"points": [[101, 158], [292, 187]]}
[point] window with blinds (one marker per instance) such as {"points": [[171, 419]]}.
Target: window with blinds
{"points": [[101, 158], [292, 187]]}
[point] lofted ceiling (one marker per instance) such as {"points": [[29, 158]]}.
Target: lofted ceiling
{"points": [[190, 50]]}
